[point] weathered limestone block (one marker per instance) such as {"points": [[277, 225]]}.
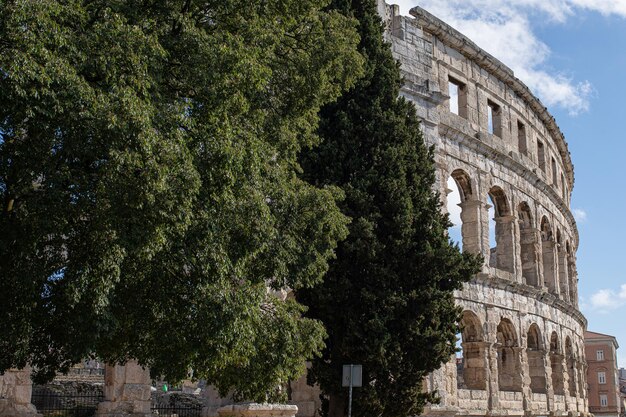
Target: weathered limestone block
{"points": [[306, 408], [539, 403], [305, 397], [505, 238], [470, 215], [559, 403], [15, 392], [126, 391], [258, 410]]}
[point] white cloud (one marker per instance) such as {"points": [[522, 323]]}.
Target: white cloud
{"points": [[608, 299], [579, 214], [605, 7], [503, 28]]}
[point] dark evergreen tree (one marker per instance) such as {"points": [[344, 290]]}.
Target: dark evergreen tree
{"points": [[387, 301]]}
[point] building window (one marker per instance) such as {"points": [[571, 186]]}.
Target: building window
{"points": [[604, 401], [458, 97], [554, 174], [541, 156], [521, 138], [601, 377], [494, 119], [600, 355]]}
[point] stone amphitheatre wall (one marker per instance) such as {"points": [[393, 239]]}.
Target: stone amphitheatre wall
{"points": [[522, 339]]}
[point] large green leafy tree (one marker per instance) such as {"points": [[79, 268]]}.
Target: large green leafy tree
{"points": [[148, 188], [387, 301]]}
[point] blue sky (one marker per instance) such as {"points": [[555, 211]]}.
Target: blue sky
{"points": [[572, 54]]}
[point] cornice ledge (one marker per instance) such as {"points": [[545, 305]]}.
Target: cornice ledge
{"points": [[539, 294]]}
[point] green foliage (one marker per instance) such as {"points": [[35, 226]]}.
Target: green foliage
{"points": [[387, 301], [148, 160]]}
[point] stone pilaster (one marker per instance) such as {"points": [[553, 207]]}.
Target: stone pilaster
{"points": [[15, 392], [549, 266], [563, 274], [547, 367], [566, 384], [470, 217], [475, 365], [524, 358], [573, 276], [529, 252], [505, 239], [573, 377], [491, 359], [558, 374], [580, 383], [126, 391], [541, 281]]}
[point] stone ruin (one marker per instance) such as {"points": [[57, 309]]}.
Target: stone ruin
{"points": [[15, 392], [127, 390]]}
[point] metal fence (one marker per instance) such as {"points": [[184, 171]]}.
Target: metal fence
{"points": [[178, 410], [52, 401], [65, 404]]}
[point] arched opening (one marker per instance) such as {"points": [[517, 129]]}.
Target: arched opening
{"points": [[453, 205], [469, 216], [556, 364], [491, 231], [563, 277], [500, 231], [471, 363], [571, 367], [509, 366], [547, 251], [536, 365], [528, 245]]}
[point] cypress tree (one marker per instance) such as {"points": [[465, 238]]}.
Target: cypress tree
{"points": [[387, 301]]}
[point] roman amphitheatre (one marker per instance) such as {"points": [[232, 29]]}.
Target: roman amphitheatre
{"points": [[522, 339]]}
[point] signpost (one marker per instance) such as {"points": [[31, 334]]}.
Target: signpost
{"points": [[352, 377]]}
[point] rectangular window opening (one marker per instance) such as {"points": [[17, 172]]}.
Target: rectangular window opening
{"points": [[600, 355], [541, 156], [554, 174], [604, 400], [521, 138], [458, 97], [494, 119], [601, 378]]}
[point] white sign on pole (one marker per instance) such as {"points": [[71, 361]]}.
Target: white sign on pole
{"points": [[356, 377]]}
